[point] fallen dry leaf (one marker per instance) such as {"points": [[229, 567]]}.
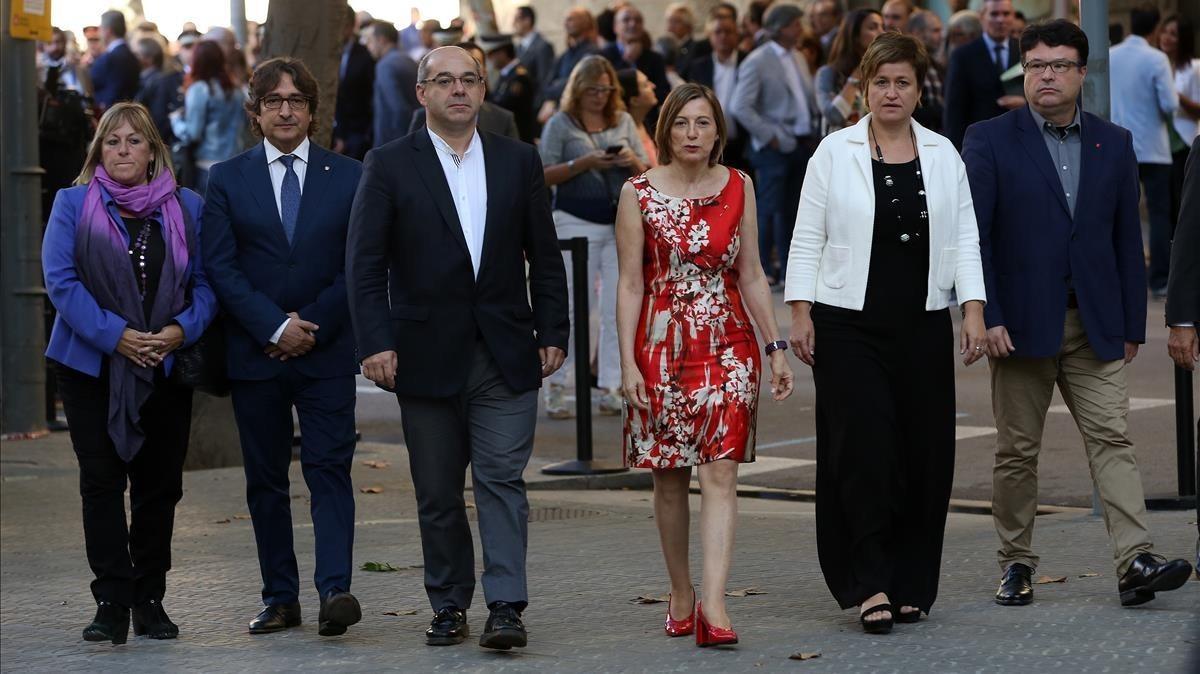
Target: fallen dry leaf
{"points": [[372, 490], [241, 517], [1045, 580], [652, 600], [1089, 574], [378, 567], [801, 655], [224, 521], [404, 612], [376, 463], [744, 593]]}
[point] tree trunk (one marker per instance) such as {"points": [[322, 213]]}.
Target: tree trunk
{"points": [[310, 31], [214, 441]]}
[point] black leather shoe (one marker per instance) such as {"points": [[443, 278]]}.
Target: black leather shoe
{"points": [[449, 627], [504, 629], [110, 624], [276, 617], [1150, 573], [339, 610], [1016, 589], [151, 620]]}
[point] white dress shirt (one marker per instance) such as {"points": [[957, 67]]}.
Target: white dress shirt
{"points": [[802, 125], [278, 171], [467, 178], [724, 82]]}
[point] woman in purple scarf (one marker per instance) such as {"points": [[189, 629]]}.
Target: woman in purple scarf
{"points": [[123, 270]]}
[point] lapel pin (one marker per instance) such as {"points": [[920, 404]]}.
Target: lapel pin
{"points": [[327, 168], [1097, 146]]}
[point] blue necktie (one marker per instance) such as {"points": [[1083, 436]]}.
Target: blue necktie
{"points": [[289, 197]]}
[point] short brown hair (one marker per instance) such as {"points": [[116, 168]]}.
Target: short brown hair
{"points": [[892, 47], [679, 97], [266, 77]]}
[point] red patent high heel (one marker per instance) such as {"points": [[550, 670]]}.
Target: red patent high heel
{"points": [[709, 635], [681, 628]]}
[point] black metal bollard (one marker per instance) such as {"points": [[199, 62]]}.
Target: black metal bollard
{"points": [[583, 464]]}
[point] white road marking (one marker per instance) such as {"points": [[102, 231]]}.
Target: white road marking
{"points": [[965, 432], [1134, 405]]}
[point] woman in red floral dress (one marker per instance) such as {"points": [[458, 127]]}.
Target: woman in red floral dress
{"points": [[687, 252]]}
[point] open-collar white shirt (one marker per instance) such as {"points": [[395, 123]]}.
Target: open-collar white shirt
{"points": [[467, 177]]}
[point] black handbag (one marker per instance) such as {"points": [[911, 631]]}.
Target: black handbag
{"points": [[202, 365]]}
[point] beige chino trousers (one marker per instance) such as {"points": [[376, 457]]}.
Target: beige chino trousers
{"points": [[1097, 395]]}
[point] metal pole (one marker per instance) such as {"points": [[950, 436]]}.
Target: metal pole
{"points": [[1185, 438], [21, 293], [1093, 19], [237, 19], [583, 463]]}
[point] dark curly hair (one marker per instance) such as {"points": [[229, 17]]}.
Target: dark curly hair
{"points": [[266, 77]]}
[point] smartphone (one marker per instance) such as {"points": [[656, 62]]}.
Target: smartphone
{"points": [[614, 149]]}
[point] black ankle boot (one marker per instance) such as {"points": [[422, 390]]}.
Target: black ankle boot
{"points": [[150, 619], [110, 624]]}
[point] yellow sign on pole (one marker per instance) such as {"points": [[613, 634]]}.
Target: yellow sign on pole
{"points": [[30, 20]]}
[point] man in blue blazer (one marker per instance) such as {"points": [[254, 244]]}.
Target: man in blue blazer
{"points": [[115, 73], [973, 89], [394, 99], [274, 235], [1056, 198]]}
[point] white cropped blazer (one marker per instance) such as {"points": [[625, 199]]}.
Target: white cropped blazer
{"points": [[831, 245]]}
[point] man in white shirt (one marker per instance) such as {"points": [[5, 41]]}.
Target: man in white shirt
{"points": [[442, 228], [1143, 101], [775, 103], [273, 242]]}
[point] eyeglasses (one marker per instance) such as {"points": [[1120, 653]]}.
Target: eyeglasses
{"points": [[1059, 67], [447, 81], [598, 91], [294, 102]]}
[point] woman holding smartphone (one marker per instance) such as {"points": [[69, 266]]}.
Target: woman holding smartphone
{"points": [[590, 147]]}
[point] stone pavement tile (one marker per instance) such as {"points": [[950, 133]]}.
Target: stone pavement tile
{"points": [[584, 571]]}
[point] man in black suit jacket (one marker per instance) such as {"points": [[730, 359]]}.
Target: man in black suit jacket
{"points": [[115, 73], [1183, 284], [356, 84], [973, 89], [722, 41], [443, 225], [515, 89], [161, 90]]}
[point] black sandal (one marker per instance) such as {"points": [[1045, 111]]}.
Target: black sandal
{"points": [[910, 617], [879, 625]]}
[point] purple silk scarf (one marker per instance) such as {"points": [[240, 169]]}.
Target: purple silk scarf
{"points": [[102, 262]]}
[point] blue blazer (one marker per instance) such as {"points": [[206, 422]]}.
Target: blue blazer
{"points": [[259, 278], [394, 96], [85, 333], [1031, 245], [115, 75]]}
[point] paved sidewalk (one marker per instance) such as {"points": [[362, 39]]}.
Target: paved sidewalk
{"points": [[591, 553]]}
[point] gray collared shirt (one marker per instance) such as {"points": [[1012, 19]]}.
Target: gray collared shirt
{"points": [[1065, 147]]}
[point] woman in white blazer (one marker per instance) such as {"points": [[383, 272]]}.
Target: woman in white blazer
{"points": [[885, 233]]}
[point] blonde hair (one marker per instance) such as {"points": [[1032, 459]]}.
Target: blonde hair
{"points": [[586, 74], [138, 117]]}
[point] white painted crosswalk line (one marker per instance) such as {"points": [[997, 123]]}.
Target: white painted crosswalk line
{"points": [[1135, 404]]}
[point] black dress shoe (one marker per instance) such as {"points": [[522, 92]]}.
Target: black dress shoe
{"points": [[150, 619], [504, 629], [276, 617], [110, 624], [449, 627], [1150, 573], [339, 610], [1016, 589]]}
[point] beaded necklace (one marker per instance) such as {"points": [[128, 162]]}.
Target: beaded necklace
{"points": [[904, 237], [140, 245]]}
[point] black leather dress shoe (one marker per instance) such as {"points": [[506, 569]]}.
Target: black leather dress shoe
{"points": [[110, 624], [1016, 589], [276, 617], [339, 610], [150, 619], [504, 629], [449, 627], [1150, 573]]}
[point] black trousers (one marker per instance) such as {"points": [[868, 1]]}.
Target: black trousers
{"points": [[130, 560], [885, 453]]}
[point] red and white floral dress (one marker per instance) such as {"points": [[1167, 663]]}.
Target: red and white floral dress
{"points": [[695, 344]]}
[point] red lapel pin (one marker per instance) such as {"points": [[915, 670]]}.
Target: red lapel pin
{"points": [[1097, 146]]}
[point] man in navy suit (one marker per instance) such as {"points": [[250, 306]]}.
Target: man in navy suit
{"points": [[717, 69], [356, 84], [394, 99], [275, 222], [973, 88], [631, 50], [115, 73], [1066, 304]]}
